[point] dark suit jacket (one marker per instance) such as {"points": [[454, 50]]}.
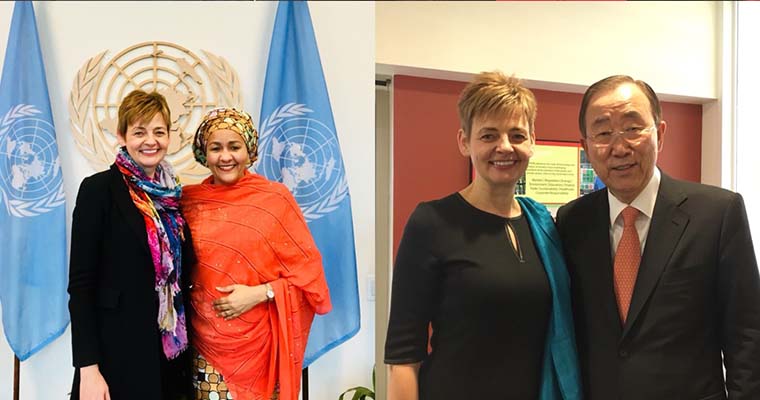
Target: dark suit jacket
{"points": [[113, 303], [697, 296]]}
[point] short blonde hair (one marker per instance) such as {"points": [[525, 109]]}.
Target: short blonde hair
{"points": [[141, 106], [495, 93]]}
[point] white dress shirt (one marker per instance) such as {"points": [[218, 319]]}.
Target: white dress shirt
{"points": [[644, 202]]}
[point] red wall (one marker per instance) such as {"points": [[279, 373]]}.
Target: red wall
{"points": [[427, 164]]}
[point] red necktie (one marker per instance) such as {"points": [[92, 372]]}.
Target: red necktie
{"points": [[627, 259]]}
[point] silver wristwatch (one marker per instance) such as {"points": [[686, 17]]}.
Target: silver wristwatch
{"points": [[270, 292]]}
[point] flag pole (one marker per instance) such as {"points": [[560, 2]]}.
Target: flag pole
{"points": [[16, 368], [304, 384]]}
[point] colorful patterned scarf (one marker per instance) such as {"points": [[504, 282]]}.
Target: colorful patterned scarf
{"points": [[158, 202]]}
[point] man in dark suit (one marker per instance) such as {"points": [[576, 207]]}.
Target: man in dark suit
{"points": [[665, 281]]}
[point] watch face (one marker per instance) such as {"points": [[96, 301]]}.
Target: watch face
{"points": [[270, 294]]}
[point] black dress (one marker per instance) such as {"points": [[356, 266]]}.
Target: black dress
{"points": [[489, 306]]}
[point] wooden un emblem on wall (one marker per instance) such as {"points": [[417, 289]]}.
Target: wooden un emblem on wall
{"points": [[191, 87]]}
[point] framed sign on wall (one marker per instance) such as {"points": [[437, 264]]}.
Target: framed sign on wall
{"points": [[558, 173]]}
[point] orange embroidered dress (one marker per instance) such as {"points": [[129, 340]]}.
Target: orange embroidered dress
{"points": [[252, 233]]}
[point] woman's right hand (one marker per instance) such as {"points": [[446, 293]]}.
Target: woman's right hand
{"points": [[241, 298], [92, 385]]}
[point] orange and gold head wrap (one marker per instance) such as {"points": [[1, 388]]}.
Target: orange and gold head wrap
{"points": [[226, 118]]}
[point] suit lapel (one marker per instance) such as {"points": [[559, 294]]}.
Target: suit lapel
{"points": [[665, 231], [131, 214]]}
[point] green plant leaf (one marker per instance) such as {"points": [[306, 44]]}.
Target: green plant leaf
{"points": [[361, 392]]}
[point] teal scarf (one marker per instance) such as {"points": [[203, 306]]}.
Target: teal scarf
{"points": [[560, 377]]}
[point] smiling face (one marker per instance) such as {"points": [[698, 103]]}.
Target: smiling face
{"points": [[146, 142], [499, 147], [226, 156], [625, 167]]}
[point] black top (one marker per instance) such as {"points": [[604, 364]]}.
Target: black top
{"points": [[456, 269]]}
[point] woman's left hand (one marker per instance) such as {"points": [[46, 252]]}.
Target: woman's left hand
{"points": [[241, 298]]}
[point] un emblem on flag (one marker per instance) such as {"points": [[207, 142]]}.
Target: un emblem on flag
{"points": [[304, 155], [30, 170]]}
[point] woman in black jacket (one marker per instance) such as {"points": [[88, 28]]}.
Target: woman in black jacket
{"points": [[129, 251]]}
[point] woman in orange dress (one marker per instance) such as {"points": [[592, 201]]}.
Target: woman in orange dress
{"points": [[259, 278]]}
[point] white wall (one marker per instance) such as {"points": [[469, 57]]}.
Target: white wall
{"points": [[683, 49], [671, 45], [747, 106], [71, 32]]}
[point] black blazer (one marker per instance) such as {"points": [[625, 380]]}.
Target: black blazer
{"points": [[113, 304], [697, 297]]}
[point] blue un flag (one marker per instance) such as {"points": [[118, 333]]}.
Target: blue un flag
{"points": [[32, 204], [299, 147]]}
